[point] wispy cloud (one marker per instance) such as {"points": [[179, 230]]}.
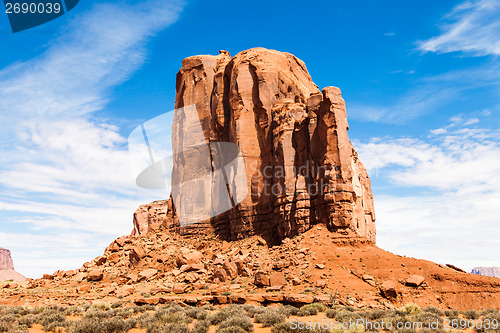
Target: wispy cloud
{"points": [[472, 27], [445, 193], [65, 173], [433, 93]]}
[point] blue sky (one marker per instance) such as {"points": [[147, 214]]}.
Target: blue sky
{"points": [[421, 80]]}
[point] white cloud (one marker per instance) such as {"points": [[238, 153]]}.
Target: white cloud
{"points": [[445, 194], [472, 27], [66, 188]]}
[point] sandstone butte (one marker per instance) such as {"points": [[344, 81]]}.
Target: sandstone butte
{"points": [[296, 247], [7, 271]]}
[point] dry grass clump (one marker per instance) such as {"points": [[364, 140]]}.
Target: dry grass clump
{"points": [[242, 321], [269, 317], [311, 309]]}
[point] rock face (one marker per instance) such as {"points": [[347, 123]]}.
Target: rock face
{"points": [[487, 271], [301, 167], [7, 271], [5, 259]]}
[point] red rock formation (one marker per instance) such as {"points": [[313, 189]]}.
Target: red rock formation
{"points": [[301, 167], [7, 271], [5, 259]]}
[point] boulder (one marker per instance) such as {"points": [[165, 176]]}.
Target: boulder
{"points": [[388, 289], [261, 279], [188, 256], [414, 281], [148, 274], [231, 269], [95, 275], [124, 291]]}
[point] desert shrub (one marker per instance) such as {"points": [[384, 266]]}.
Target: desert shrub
{"points": [[345, 316], [226, 313], [14, 310], [374, 314], [269, 317], [19, 329], [411, 309], [428, 318], [231, 329], [490, 322], [209, 307], [433, 309], [490, 312], [471, 314], [115, 325], [4, 326], [147, 307], [196, 313], [145, 320], [201, 326], [331, 313], [165, 316], [281, 328], [287, 310], [451, 313], [168, 327], [172, 306], [401, 322], [132, 322], [122, 312], [252, 310], [73, 311], [85, 306], [102, 306], [97, 313], [27, 320], [242, 321], [86, 325], [8, 318], [311, 309], [52, 319]]}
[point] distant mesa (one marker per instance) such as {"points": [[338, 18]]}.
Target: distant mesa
{"points": [[487, 271], [7, 271]]}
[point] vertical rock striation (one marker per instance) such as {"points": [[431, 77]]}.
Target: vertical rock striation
{"points": [[301, 167]]}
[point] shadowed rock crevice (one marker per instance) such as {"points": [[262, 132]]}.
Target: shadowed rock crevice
{"points": [[301, 168]]}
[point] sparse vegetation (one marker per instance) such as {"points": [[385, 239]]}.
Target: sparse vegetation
{"points": [[106, 318]]}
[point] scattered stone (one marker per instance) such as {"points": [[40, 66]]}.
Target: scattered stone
{"points": [[388, 289], [95, 275], [321, 283], [188, 256], [148, 274], [261, 279], [414, 281], [178, 288]]}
